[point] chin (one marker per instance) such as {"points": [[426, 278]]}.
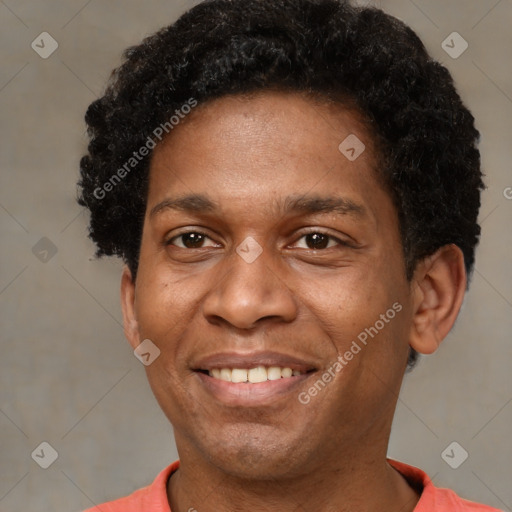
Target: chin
{"points": [[257, 457]]}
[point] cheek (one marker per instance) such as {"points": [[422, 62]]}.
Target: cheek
{"points": [[160, 315], [350, 298], [162, 311], [363, 316], [161, 295], [166, 309]]}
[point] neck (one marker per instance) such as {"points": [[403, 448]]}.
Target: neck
{"points": [[362, 483]]}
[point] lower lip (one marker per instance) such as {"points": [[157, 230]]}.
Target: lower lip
{"points": [[252, 395]]}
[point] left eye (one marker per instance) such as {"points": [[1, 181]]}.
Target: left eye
{"points": [[319, 240]]}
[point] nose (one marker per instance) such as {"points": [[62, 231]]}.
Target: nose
{"points": [[244, 294]]}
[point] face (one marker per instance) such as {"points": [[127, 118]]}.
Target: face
{"points": [[264, 246]]}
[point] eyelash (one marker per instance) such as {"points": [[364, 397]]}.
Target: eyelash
{"points": [[311, 232]]}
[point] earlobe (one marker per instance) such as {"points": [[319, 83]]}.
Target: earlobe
{"points": [[130, 324], [439, 287]]}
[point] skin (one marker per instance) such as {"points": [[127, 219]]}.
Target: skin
{"points": [[247, 154]]}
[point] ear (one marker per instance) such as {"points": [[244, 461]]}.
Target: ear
{"points": [[131, 327], [439, 286]]}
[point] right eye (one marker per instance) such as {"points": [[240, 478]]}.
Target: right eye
{"points": [[190, 240]]}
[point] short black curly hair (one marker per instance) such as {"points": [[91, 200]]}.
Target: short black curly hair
{"points": [[426, 137]]}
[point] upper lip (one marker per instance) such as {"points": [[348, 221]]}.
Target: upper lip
{"points": [[252, 360]]}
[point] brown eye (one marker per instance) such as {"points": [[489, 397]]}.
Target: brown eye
{"points": [[189, 240], [317, 240]]}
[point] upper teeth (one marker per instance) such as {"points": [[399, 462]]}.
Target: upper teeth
{"points": [[258, 374]]}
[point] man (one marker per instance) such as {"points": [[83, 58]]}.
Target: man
{"points": [[294, 188]]}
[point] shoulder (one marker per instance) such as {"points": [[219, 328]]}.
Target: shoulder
{"points": [[436, 499], [446, 499], [152, 497]]}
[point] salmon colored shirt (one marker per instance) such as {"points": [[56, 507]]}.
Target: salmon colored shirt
{"points": [[153, 498]]}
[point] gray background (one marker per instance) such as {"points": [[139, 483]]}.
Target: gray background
{"points": [[67, 375]]}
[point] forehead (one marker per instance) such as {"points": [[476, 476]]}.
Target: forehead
{"points": [[271, 146]]}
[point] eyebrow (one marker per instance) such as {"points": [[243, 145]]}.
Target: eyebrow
{"points": [[198, 203]]}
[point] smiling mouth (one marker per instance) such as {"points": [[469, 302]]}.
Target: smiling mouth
{"points": [[253, 375]]}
